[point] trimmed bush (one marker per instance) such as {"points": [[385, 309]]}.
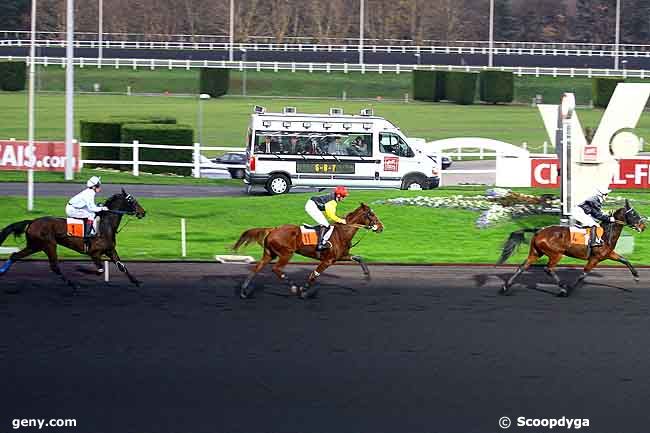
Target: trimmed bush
{"points": [[110, 131], [602, 90], [460, 87], [170, 134], [13, 76], [429, 85], [214, 81], [496, 86]]}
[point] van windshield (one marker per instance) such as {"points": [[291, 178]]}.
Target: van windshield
{"points": [[393, 143], [314, 143]]}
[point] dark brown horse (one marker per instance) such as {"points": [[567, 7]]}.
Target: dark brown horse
{"points": [[555, 242], [44, 234], [286, 240]]}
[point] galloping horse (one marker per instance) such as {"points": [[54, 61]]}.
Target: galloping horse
{"points": [[43, 234], [555, 242], [286, 240]]}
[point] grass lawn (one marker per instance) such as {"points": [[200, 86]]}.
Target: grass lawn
{"points": [[412, 234], [115, 177], [226, 119]]}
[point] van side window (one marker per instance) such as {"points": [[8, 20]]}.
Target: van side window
{"points": [[393, 144]]}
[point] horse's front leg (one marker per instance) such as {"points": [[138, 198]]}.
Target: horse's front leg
{"points": [[309, 290], [593, 261], [359, 260], [619, 258], [115, 258]]}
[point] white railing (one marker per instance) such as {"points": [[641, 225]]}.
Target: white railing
{"points": [[522, 48], [136, 162], [319, 41], [327, 67]]}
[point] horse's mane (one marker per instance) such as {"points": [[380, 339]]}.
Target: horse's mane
{"points": [[362, 207], [112, 198]]}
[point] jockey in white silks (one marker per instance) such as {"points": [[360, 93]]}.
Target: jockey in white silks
{"points": [[82, 206], [589, 214]]}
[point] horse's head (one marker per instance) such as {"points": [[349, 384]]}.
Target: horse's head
{"points": [[364, 216], [630, 217], [125, 202]]}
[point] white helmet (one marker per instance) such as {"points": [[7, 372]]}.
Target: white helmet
{"points": [[94, 181], [602, 191]]}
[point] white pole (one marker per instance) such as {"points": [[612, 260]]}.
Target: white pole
{"points": [[183, 239], [106, 270], [232, 29], [491, 44], [197, 160], [69, 97], [30, 133], [618, 33], [361, 21], [101, 33], [136, 158]]}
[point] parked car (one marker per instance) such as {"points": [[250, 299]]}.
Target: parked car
{"points": [[213, 170], [235, 162]]}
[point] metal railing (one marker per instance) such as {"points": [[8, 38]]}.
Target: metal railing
{"points": [[326, 67]]}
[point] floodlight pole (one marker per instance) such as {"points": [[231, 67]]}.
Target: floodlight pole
{"points": [[101, 33], [361, 21], [491, 43], [69, 87], [617, 38], [30, 132], [232, 30]]}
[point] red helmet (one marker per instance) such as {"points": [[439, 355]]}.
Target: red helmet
{"points": [[341, 191]]}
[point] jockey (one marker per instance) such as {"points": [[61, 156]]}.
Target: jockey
{"points": [[315, 207], [589, 212], [82, 206]]}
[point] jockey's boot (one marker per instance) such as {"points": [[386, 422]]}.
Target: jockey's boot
{"points": [[594, 240], [88, 234], [322, 243]]}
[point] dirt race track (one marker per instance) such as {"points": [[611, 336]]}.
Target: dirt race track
{"points": [[416, 349]]}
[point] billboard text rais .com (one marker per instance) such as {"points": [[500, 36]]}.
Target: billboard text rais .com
{"points": [[44, 156], [633, 173]]}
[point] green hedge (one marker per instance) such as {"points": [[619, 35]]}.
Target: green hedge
{"points": [[429, 85], [214, 81], [602, 90], [460, 87], [173, 135], [496, 86], [13, 76], [110, 131]]}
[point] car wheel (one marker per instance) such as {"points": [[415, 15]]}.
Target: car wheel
{"points": [[414, 183], [278, 184], [237, 174]]}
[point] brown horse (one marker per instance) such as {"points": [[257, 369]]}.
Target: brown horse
{"points": [[555, 242], [286, 240], [44, 234]]}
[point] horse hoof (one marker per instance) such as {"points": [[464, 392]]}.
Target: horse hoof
{"points": [[504, 290], [294, 289], [637, 279], [243, 294], [564, 293]]}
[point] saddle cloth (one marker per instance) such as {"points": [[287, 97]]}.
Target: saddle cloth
{"points": [[309, 235], [75, 227], [580, 236]]}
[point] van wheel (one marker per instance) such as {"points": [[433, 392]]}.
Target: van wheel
{"points": [[278, 184], [414, 183]]}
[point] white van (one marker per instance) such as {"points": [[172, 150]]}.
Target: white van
{"points": [[318, 150]]}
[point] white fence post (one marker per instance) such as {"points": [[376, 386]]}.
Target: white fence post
{"points": [[545, 146], [106, 271], [136, 158], [197, 160], [183, 239]]}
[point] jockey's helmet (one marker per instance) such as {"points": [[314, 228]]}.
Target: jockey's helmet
{"points": [[94, 181], [341, 191]]}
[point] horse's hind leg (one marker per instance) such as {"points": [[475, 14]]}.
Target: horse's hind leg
{"points": [[246, 289], [278, 269], [309, 290], [533, 256], [550, 269], [52, 256], [25, 252]]}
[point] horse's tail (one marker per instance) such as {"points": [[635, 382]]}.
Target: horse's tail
{"points": [[252, 235], [515, 239], [16, 229]]}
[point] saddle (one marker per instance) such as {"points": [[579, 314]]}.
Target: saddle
{"points": [[76, 227], [580, 236], [309, 234]]}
